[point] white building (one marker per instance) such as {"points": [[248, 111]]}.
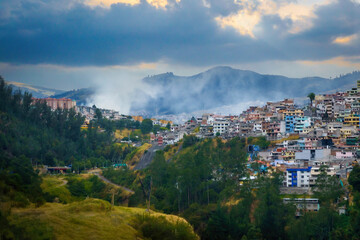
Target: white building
{"points": [[297, 177], [220, 126]]}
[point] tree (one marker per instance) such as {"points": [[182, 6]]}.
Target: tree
{"points": [[98, 114], [327, 188], [168, 125], [311, 96], [354, 178], [271, 213], [156, 128], [146, 126]]}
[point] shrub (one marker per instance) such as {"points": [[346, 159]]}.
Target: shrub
{"points": [[152, 227]]}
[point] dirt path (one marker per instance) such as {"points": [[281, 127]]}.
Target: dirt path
{"points": [[64, 182], [114, 184]]}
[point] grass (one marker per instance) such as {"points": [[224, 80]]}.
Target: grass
{"points": [[88, 219], [120, 134], [56, 187], [172, 151], [134, 157], [293, 137]]}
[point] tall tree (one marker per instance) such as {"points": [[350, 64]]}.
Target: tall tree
{"points": [[146, 126], [311, 96]]}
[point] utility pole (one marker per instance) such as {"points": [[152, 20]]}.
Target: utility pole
{"points": [[208, 197], [113, 197], [150, 193]]}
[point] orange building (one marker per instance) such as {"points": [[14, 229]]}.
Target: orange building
{"points": [[138, 118]]}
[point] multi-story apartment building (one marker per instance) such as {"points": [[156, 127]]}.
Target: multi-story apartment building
{"points": [[289, 124], [297, 177], [301, 123], [220, 126], [292, 112], [55, 103], [316, 171], [352, 120]]}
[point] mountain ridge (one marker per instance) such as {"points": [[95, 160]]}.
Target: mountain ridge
{"points": [[215, 87]]}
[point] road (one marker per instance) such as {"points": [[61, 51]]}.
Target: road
{"points": [[114, 184], [147, 158]]}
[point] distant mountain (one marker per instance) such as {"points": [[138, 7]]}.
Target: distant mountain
{"points": [[224, 86], [82, 95], [38, 92], [220, 89]]}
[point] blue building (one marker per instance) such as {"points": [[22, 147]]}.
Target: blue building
{"points": [[289, 124], [297, 177]]}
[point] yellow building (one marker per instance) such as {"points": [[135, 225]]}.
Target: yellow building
{"points": [[293, 112], [165, 122], [288, 155], [347, 131], [307, 130], [352, 120]]}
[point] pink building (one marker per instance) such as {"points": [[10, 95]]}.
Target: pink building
{"points": [[54, 103], [340, 155]]}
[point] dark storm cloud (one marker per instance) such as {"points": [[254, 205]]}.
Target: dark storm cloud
{"points": [[74, 34]]}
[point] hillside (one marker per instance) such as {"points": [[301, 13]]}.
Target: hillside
{"points": [[36, 91], [88, 219], [81, 96], [225, 86]]}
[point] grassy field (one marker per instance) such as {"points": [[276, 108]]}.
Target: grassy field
{"points": [[88, 219], [120, 134], [56, 187]]}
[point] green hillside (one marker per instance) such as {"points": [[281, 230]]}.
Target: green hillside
{"points": [[96, 219]]}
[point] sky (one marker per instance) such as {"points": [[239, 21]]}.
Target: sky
{"points": [[71, 44]]}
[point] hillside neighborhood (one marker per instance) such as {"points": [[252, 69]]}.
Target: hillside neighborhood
{"points": [[303, 139]]}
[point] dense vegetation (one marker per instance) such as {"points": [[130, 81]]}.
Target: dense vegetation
{"points": [[201, 184]]}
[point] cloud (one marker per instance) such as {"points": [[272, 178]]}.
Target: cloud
{"points": [[108, 3], [187, 32], [345, 40]]}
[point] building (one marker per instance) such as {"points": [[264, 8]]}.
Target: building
{"points": [[289, 124], [58, 103], [316, 171], [301, 123], [313, 154], [297, 177], [303, 204], [220, 126], [293, 112], [352, 120]]}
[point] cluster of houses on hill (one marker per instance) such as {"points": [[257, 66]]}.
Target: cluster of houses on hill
{"points": [[323, 133]]}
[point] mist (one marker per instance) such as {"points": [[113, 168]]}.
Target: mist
{"points": [[220, 90]]}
